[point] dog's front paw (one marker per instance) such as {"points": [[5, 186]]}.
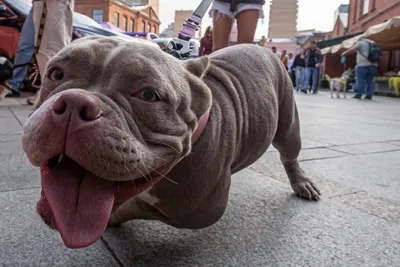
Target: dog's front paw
{"points": [[306, 189]]}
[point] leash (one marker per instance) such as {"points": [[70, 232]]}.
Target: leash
{"points": [[33, 69], [180, 47]]}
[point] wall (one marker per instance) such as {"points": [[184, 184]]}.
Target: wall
{"points": [[109, 7], [282, 19], [180, 17], [378, 12], [86, 6], [338, 29]]}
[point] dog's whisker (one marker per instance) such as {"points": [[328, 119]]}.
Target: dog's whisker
{"points": [[162, 175], [147, 171], [164, 144]]}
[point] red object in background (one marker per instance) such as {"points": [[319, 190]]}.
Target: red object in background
{"points": [[9, 38]]}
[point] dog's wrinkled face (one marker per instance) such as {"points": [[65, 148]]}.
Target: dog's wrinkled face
{"points": [[112, 118]]}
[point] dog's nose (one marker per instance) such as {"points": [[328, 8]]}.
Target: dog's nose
{"points": [[76, 109]]}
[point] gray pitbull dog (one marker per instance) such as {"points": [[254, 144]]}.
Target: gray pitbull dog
{"points": [[122, 131]]}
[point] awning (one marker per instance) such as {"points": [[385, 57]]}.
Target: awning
{"points": [[336, 40], [386, 35]]}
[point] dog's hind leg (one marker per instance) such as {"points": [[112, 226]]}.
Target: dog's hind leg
{"points": [[287, 141]]}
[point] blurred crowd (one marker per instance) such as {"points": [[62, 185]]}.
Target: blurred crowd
{"points": [[304, 68]]}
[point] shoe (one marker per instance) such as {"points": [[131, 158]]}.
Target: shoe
{"points": [[304, 91], [12, 93], [368, 97], [357, 97], [31, 100]]}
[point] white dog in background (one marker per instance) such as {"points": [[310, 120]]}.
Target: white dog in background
{"points": [[337, 84]]}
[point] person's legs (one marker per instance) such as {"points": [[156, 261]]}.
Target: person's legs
{"points": [[302, 76], [57, 32], [307, 79], [247, 16], [222, 24], [361, 81], [315, 79], [370, 81], [24, 53], [298, 79]]}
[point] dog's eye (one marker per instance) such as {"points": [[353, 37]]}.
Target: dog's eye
{"points": [[147, 95], [56, 74]]}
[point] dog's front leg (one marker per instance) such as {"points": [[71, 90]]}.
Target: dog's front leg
{"points": [[287, 141]]}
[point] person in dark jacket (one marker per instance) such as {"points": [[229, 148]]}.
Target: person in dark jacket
{"points": [[299, 68], [313, 60], [246, 13], [206, 43]]}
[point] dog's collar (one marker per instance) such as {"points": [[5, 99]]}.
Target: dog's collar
{"points": [[201, 126]]}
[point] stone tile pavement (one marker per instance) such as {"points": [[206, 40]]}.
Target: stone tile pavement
{"points": [[351, 149]]}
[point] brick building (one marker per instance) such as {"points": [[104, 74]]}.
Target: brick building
{"points": [[121, 14], [366, 13], [340, 21], [361, 15]]}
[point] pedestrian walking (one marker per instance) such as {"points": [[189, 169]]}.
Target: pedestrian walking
{"points": [[299, 67], [368, 55], [290, 68], [23, 55], [284, 59], [263, 42], [224, 12], [206, 43], [313, 59]]}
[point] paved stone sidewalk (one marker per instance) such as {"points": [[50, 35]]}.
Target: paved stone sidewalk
{"points": [[351, 149]]}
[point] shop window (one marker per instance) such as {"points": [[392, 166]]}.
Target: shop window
{"points": [[116, 19], [97, 15], [132, 25], [125, 23], [364, 8]]}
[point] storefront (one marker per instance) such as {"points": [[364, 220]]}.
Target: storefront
{"points": [[387, 37]]}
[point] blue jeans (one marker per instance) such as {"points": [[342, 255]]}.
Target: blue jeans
{"points": [[314, 72], [365, 80], [24, 53], [300, 76]]}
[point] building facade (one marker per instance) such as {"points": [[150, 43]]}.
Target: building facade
{"points": [[155, 4], [119, 13], [340, 21], [366, 13], [363, 14], [283, 19]]}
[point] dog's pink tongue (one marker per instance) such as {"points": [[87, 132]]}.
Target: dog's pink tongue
{"points": [[81, 202]]}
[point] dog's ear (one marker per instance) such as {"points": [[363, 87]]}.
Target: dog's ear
{"points": [[198, 66], [200, 93]]}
